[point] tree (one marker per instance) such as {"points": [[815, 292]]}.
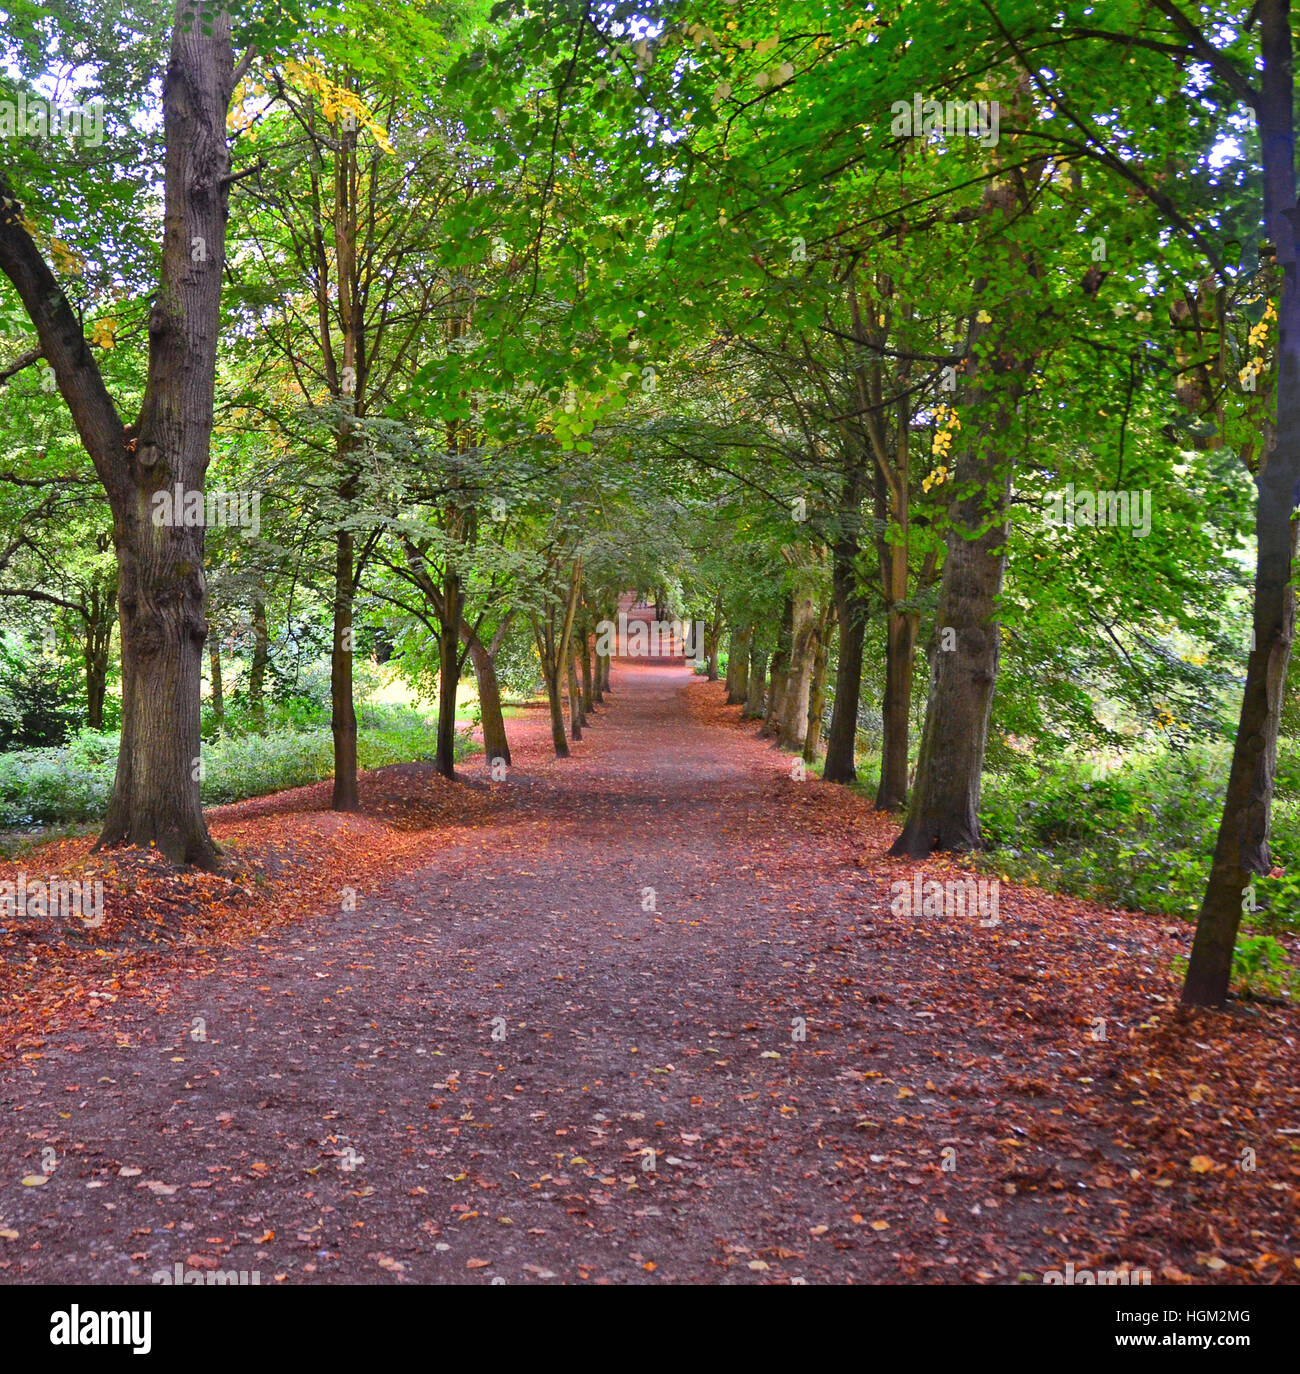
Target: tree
{"points": [[1241, 849], [161, 594]]}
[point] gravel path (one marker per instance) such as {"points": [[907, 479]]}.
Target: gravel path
{"points": [[652, 1022]]}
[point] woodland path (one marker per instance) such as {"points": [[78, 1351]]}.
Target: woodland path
{"points": [[351, 1118]]}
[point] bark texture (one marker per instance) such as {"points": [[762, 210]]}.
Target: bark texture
{"points": [[1241, 848], [161, 591]]}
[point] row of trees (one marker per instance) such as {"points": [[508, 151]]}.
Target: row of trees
{"points": [[497, 313]]}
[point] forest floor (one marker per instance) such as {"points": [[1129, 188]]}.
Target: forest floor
{"points": [[458, 1038]]}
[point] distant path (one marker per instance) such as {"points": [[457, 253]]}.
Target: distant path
{"points": [[351, 1118]]}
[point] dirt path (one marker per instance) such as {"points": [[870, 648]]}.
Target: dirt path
{"points": [[654, 927]]}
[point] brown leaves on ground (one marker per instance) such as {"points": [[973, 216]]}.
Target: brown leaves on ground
{"points": [[283, 856], [755, 1072]]}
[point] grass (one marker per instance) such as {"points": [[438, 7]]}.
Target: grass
{"points": [[70, 784]]}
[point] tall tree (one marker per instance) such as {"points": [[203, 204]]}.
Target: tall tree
{"points": [[161, 593]]}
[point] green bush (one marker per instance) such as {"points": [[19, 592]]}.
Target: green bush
{"points": [[1139, 837], [71, 784], [38, 786], [1260, 965], [41, 695], [1286, 783], [1279, 902]]}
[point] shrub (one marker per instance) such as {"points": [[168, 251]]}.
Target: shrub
{"points": [[38, 786], [71, 784], [41, 696], [1260, 965], [1278, 896], [1140, 837]]}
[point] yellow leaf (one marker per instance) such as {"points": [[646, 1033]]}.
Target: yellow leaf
{"points": [[1202, 1164]]}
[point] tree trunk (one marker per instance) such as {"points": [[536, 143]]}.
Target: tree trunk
{"points": [[793, 720], [96, 646], [155, 798], [944, 814], [817, 691], [448, 674], [347, 387], [343, 715], [588, 689], [1242, 848], [257, 672], [552, 669], [778, 679], [900, 656], [598, 674], [711, 641], [218, 696], [161, 589], [559, 739], [96, 687], [575, 701], [778, 676], [554, 651], [757, 679], [738, 667], [944, 811], [491, 718], [851, 612]]}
